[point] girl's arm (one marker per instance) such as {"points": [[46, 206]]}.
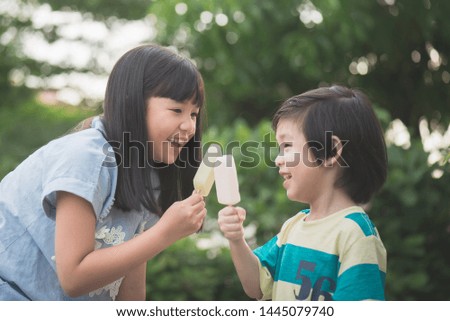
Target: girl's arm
{"points": [[245, 261], [81, 269], [133, 286]]}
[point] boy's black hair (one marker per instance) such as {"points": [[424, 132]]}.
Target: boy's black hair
{"points": [[348, 114], [144, 72]]}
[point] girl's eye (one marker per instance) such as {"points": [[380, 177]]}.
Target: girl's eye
{"points": [[194, 115], [176, 110]]}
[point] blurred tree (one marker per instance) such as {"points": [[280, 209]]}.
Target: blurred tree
{"points": [[411, 213], [11, 85], [183, 272], [253, 56], [17, 25], [30, 125], [102, 9]]}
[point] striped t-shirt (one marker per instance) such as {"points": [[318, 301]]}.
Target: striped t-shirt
{"points": [[339, 257]]}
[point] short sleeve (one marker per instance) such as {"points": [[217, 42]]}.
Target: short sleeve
{"points": [[268, 258], [81, 165], [362, 271], [150, 221]]}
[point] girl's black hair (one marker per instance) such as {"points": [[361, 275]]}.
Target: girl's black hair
{"points": [[144, 72], [348, 114]]}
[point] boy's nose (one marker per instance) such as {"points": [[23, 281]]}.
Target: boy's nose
{"points": [[279, 160]]}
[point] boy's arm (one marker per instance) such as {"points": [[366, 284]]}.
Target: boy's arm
{"points": [[247, 268], [246, 263]]}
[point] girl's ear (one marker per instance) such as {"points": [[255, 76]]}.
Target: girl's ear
{"points": [[336, 152]]}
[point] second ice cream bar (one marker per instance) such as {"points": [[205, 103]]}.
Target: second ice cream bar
{"points": [[227, 185], [204, 178]]}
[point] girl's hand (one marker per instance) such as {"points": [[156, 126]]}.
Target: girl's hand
{"points": [[231, 223], [185, 217]]}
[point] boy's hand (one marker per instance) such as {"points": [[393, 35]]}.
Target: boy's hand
{"points": [[231, 221]]}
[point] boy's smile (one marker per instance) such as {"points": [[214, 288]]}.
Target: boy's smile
{"points": [[296, 163]]}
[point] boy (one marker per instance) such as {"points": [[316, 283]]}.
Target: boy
{"points": [[332, 157]]}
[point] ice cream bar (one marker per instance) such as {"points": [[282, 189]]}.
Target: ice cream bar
{"points": [[227, 185], [204, 178]]}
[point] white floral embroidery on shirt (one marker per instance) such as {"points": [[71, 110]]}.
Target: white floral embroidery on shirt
{"points": [[115, 236], [113, 289], [102, 232], [110, 236]]}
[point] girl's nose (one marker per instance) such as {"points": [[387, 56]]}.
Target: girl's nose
{"points": [[188, 125]]}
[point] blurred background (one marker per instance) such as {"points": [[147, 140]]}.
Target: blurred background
{"points": [[55, 57]]}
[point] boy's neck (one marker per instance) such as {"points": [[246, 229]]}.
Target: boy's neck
{"points": [[329, 203]]}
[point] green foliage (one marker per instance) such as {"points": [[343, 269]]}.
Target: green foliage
{"points": [[413, 217], [254, 56], [446, 158], [27, 127], [125, 9], [15, 26], [265, 53], [411, 213], [9, 59], [185, 272], [262, 55]]}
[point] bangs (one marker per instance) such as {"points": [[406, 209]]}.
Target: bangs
{"points": [[291, 109], [181, 83]]}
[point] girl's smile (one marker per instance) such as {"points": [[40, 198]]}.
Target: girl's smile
{"points": [[171, 124]]}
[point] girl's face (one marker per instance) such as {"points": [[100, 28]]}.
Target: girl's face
{"points": [[302, 176], [171, 124]]}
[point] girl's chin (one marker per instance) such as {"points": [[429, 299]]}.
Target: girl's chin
{"points": [[163, 162], [168, 159]]}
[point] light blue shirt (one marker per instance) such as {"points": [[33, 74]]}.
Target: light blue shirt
{"points": [[81, 163]]}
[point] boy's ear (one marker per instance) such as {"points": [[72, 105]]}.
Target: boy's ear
{"points": [[336, 152]]}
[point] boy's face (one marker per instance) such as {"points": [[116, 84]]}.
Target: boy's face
{"points": [[296, 162]]}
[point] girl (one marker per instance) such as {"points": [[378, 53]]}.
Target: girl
{"points": [[82, 215]]}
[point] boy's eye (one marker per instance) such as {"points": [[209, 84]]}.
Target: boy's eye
{"points": [[285, 145]]}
